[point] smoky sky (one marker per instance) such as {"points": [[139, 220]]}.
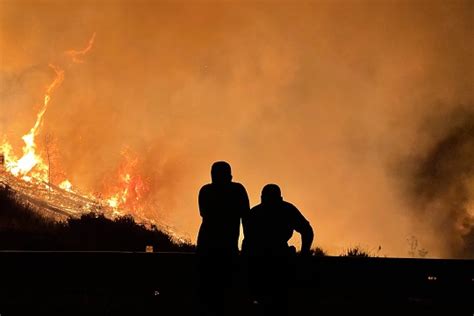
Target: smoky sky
{"points": [[334, 101]]}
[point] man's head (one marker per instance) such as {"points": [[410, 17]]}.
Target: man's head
{"points": [[221, 172], [271, 194]]}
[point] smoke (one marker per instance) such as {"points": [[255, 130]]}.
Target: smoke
{"points": [[326, 99], [441, 181]]}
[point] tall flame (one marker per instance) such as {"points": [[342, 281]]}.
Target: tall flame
{"points": [[125, 193], [30, 159], [31, 166]]}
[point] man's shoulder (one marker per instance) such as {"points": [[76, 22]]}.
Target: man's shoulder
{"points": [[234, 185], [206, 187], [238, 185], [291, 209], [256, 208], [294, 213], [289, 206], [238, 188]]}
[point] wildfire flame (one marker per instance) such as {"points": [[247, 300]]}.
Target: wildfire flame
{"points": [[30, 159], [66, 185], [126, 194], [129, 189]]}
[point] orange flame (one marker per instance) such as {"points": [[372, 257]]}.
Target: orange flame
{"points": [[128, 192], [31, 166], [131, 189], [66, 185], [30, 159], [75, 54]]}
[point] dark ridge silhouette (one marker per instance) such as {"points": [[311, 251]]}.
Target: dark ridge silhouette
{"points": [[21, 228], [132, 283], [15, 215]]}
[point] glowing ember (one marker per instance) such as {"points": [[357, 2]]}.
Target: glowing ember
{"points": [[113, 201], [66, 185]]}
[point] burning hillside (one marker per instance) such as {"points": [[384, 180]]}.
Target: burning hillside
{"points": [[334, 103], [28, 176], [28, 223]]}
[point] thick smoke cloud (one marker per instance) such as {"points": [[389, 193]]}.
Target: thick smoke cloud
{"points": [[441, 181], [326, 99]]}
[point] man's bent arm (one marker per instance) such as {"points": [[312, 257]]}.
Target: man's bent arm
{"points": [[307, 236]]}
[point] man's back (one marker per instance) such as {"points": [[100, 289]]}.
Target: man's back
{"points": [[222, 204], [221, 207], [270, 227]]}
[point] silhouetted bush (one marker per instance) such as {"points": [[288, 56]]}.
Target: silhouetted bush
{"points": [[318, 252], [21, 228], [15, 214], [356, 252]]}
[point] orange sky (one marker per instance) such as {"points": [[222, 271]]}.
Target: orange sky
{"points": [[327, 99]]}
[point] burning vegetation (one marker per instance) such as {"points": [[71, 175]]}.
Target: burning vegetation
{"points": [[22, 227], [30, 179]]}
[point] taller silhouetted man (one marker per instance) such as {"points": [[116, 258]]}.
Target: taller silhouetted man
{"points": [[223, 204]]}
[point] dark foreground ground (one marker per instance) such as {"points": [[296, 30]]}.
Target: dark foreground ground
{"points": [[120, 283]]}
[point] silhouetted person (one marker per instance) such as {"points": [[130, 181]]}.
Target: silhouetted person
{"points": [[222, 205], [269, 227]]}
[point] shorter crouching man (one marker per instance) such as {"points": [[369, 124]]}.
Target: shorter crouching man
{"points": [[268, 229]]}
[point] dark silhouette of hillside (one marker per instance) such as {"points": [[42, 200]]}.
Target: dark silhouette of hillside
{"points": [[132, 283], [21, 228]]}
